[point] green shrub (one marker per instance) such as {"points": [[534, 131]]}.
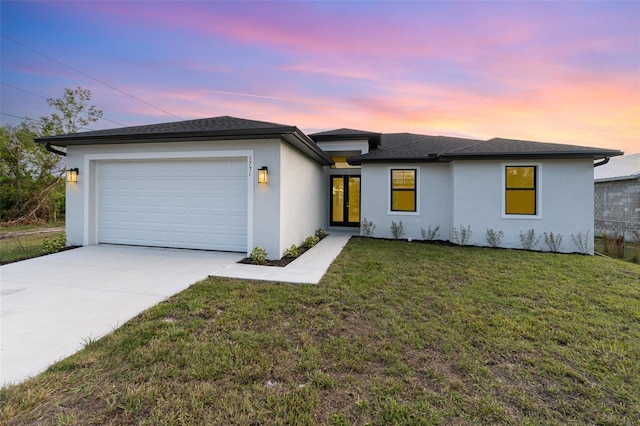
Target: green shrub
{"points": [[321, 233], [258, 256], [292, 251], [54, 245], [311, 241]]}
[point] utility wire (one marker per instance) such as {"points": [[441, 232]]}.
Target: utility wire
{"points": [[40, 96], [33, 119], [92, 78]]}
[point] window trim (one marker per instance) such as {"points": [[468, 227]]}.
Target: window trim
{"points": [[537, 188], [390, 190]]}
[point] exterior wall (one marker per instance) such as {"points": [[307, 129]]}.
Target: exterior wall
{"points": [[617, 208], [264, 202], [433, 200], [470, 193], [565, 203], [302, 200]]}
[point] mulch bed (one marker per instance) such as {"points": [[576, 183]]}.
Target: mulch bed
{"points": [[284, 261]]}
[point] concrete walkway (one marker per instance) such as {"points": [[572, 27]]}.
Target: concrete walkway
{"points": [[52, 304], [307, 269]]}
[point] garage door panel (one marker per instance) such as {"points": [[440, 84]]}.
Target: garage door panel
{"points": [[198, 204]]}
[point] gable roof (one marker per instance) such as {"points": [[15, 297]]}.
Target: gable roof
{"points": [[406, 147], [204, 129], [619, 168]]}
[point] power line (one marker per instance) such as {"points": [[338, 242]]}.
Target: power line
{"points": [[33, 119], [92, 78], [40, 96]]}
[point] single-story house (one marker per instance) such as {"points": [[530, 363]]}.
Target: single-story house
{"points": [[617, 197], [231, 184]]}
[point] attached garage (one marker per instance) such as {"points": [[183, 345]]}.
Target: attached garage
{"points": [[194, 184], [192, 203]]}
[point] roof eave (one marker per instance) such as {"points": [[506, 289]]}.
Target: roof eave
{"points": [[429, 159], [532, 155], [307, 146], [110, 139]]}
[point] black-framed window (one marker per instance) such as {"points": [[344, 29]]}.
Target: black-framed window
{"points": [[403, 190], [520, 190]]}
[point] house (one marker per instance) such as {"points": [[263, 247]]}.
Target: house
{"points": [[617, 197], [231, 184]]}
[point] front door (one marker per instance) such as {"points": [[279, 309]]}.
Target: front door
{"points": [[345, 201]]}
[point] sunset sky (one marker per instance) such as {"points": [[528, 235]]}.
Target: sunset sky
{"points": [[565, 72]]}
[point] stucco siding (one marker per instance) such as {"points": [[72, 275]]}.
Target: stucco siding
{"points": [[303, 198], [471, 194], [434, 200], [565, 201], [264, 205], [617, 208]]}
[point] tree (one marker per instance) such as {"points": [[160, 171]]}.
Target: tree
{"points": [[31, 178]]}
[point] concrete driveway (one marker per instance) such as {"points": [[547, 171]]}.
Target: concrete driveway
{"points": [[51, 304]]}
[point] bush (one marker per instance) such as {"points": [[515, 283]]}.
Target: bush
{"points": [[397, 230], [54, 245], [292, 251], [258, 256], [311, 241], [553, 242], [366, 228], [494, 238], [321, 233], [528, 239], [430, 234], [583, 242], [461, 237]]}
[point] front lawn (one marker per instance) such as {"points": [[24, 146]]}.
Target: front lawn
{"points": [[396, 333]]}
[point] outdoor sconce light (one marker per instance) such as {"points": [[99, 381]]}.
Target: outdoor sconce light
{"points": [[263, 174], [72, 175]]}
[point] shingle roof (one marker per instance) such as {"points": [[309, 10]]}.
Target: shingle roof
{"points": [[411, 147], [204, 129], [619, 168], [217, 126], [407, 147], [342, 133]]}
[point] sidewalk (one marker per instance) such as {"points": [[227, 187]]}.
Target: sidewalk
{"points": [[307, 269]]}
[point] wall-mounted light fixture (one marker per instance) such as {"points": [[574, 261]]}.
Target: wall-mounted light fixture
{"points": [[263, 174], [72, 175]]}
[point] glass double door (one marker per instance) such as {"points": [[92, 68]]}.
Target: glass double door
{"points": [[345, 201]]}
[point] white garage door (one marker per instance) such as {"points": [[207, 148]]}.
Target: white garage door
{"points": [[197, 204]]}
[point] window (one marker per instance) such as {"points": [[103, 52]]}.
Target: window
{"points": [[403, 190], [520, 190]]}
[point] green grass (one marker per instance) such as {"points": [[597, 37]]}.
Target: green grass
{"points": [[396, 333], [19, 247]]}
